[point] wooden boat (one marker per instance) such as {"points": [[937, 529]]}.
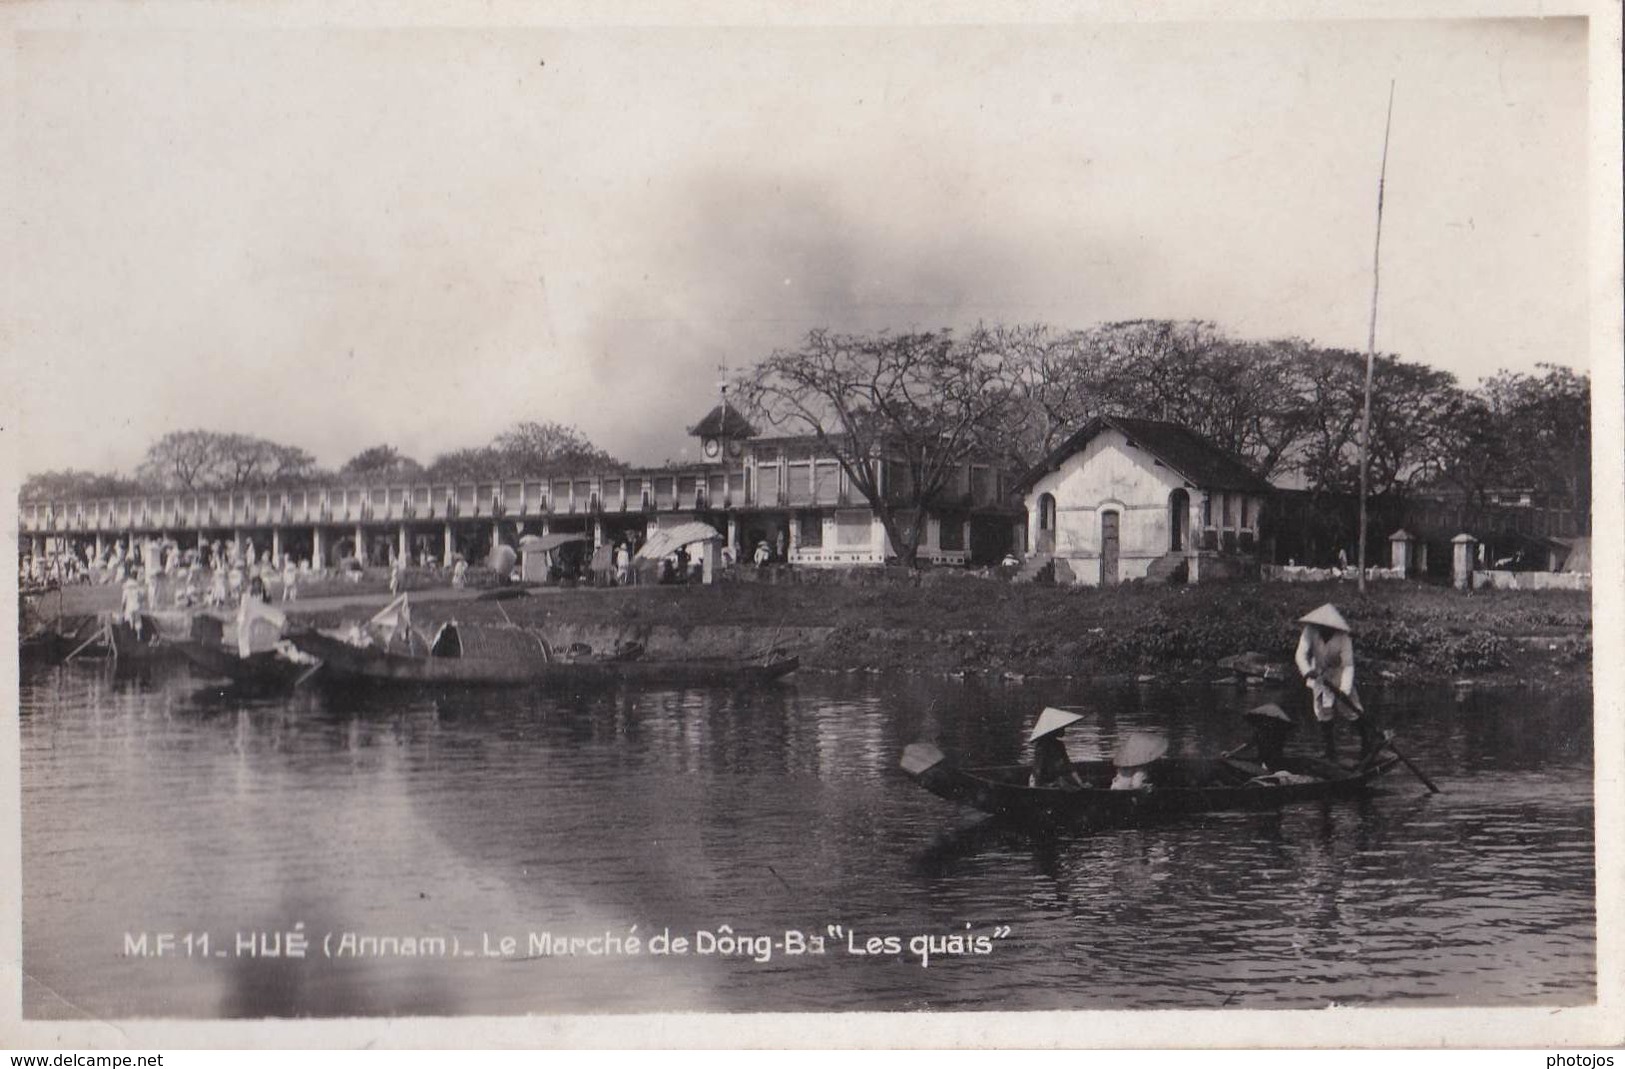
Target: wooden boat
{"points": [[45, 646], [511, 656], [148, 646], [265, 669], [1178, 786]]}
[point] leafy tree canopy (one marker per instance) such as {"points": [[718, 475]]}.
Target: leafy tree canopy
{"points": [[381, 462], [210, 460]]}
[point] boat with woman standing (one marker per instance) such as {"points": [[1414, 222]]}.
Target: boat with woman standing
{"points": [[1096, 792]]}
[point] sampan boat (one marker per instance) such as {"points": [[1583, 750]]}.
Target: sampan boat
{"points": [[1179, 786], [267, 668], [147, 646], [470, 655]]}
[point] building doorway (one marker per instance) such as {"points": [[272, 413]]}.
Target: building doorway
{"points": [[1046, 525], [1179, 520], [1108, 548]]}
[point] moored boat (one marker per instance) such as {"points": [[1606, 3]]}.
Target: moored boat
{"points": [[268, 668], [1178, 785], [139, 646], [510, 656]]}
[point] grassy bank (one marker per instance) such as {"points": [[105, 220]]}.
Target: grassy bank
{"points": [[958, 624], [951, 623]]}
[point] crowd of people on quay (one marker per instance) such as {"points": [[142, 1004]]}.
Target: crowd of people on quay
{"points": [[159, 574]]}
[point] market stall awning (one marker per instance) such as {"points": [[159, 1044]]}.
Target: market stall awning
{"points": [[547, 543], [671, 539]]}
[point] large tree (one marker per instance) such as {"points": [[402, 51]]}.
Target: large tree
{"points": [[1545, 424], [210, 460], [71, 484], [532, 448], [901, 413], [381, 462], [1415, 411], [1240, 394], [527, 448]]}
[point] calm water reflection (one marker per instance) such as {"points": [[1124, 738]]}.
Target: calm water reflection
{"points": [[162, 804]]}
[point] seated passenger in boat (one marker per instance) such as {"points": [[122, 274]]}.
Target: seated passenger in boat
{"points": [[1271, 725], [1134, 758], [1051, 765], [1129, 779]]}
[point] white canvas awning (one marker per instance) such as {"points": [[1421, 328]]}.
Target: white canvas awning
{"points": [[670, 540], [547, 543]]}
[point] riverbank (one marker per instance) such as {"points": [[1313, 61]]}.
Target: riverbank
{"points": [[954, 624]]}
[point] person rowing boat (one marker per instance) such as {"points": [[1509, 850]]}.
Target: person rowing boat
{"points": [[1325, 659]]}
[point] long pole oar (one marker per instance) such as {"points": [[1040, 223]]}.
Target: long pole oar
{"points": [[100, 634], [1387, 741]]}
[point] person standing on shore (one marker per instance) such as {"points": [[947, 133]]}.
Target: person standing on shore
{"points": [[1325, 659], [130, 604]]}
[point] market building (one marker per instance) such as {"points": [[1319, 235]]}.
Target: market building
{"points": [[781, 491]]}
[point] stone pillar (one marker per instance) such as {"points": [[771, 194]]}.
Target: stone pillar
{"points": [[317, 558], [100, 549], [1401, 556], [496, 535], [597, 532], [733, 535], [450, 547], [1461, 572], [360, 545], [402, 551], [710, 558], [276, 547], [236, 542]]}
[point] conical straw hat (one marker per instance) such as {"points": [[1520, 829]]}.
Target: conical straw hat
{"points": [[1052, 720], [1326, 616], [1269, 712], [1140, 748]]}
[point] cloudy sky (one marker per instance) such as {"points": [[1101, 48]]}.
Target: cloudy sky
{"points": [[340, 237]]}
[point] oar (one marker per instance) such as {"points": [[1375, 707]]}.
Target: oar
{"points": [[101, 633], [1388, 741]]}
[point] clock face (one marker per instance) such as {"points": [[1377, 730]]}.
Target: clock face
{"points": [[712, 447]]}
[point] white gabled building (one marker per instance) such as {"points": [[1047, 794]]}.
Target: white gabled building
{"points": [[1142, 499]]}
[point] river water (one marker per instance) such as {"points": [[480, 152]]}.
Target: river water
{"points": [[403, 825]]}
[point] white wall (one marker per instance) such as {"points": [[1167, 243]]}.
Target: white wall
{"points": [[1109, 474], [877, 547]]}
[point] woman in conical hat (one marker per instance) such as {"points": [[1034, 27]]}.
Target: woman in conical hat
{"points": [[1326, 616], [1051, 765], [1325, 658], [1271, 725]]}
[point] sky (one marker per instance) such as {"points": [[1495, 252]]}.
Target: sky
{"points": [[337, 238]]}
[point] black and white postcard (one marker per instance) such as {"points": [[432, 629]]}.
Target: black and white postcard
{"points": [[659, 524]]}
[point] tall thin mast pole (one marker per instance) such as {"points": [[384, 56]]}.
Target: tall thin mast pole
{"points": [[1371, 337]]}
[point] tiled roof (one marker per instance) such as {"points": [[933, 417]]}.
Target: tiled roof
{"points": [[723, 421], [1202, 463]]}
